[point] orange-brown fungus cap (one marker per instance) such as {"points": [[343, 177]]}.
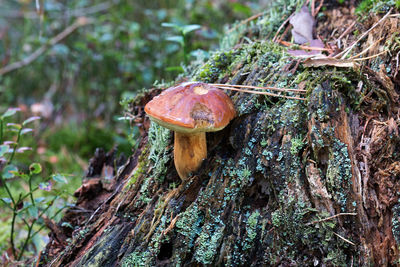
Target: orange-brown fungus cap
{"points": [[192, 107]]}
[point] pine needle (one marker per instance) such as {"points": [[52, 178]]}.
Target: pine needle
{"points": [[261, 88], [259, 93]]}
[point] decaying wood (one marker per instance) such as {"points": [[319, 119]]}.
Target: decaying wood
{"points": [[287, 183]]}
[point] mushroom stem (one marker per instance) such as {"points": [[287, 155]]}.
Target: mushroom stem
{"points": [[189, 152]]}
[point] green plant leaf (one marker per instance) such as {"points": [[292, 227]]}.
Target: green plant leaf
{"points": [[66, 224], [176, 39], [9, 171], [33, 211], [4, 149], [35, 168], [21, 175], [39, 200], [6, 200], [171, 25], [189, 28], [59, 178], [23, 149], [241, 8], [26, 130], [9, 143], [175, 68], [15, 126], [28, 120], [10, 112], [124, 118]]}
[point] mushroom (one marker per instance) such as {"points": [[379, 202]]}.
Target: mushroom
{"points": [[190, 110]]}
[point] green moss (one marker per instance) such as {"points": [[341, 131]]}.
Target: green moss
{"points": [[251, 230], [338, 174], [158, 152], [344, 81], [374, 6], [265, 27], [189, 224], [292, 234], [297, 145], [214, 67], [140, 168], [159, 139], [207, 243], [145, 196], [137, 259]]}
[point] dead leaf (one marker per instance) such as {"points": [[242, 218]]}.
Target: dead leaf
{"points": [[303, 24]]}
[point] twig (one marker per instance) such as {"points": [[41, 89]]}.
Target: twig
{"points": [[313, 8], [344, 239], [283, 34], [260, 93], [345, 52], [332, 217], [280, 28], [82, 21], [261, 88], [318, 8], [346, 31], [306, 47]]}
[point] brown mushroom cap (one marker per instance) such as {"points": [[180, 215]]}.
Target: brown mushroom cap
{"points": [[191, 107]]}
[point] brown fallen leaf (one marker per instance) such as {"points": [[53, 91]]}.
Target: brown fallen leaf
{"points": [[303, 24]]}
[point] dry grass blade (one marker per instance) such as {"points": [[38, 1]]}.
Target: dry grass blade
{"points": [[366, 49], [259, 92], [344, 239], [373, 56], [262, 88], [345, 52], [280, 28]]}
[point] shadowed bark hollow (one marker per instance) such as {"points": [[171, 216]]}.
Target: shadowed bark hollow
{"points": [[287, 183]]}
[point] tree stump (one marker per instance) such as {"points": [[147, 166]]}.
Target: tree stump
{"points": [[287, 183]]}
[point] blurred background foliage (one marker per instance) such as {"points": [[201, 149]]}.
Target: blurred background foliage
{"points": [[76, 86]]}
